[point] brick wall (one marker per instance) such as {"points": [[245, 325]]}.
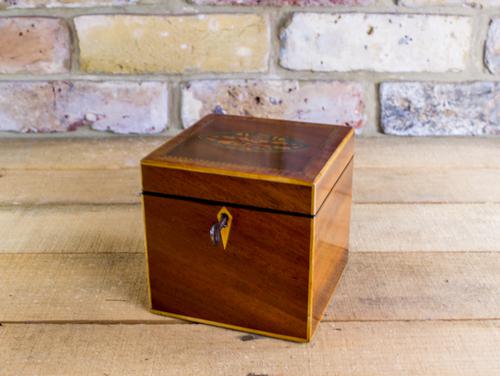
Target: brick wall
{"points": [[414, 67]]}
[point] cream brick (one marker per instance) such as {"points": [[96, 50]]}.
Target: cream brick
{"points": [[57, 106], [34, 45], [330, 102], [439, 3], [492, 54], [378, 42], [276, 3], [173, 44]]}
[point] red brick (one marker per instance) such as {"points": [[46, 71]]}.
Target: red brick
{"points": [[34, 45]]}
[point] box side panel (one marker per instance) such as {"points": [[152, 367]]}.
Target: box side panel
{"points": [[332, 171], [285, 197], [331, 242], [259, 282]]}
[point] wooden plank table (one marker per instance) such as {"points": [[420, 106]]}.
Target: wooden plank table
{"points": [[420, 296]]}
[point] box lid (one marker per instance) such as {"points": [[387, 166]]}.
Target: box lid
{"points": [[272, 164]]}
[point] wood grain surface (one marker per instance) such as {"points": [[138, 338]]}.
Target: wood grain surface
{"points": [[415, 348], [388, 169], [117, 186], [218, 159], [260, 281], [371, 185], [75, 153], [71, 228], [111, 153], [420, 295], [330, 250], [118, 228], [265, 149], [111, 287], [237, 190]]}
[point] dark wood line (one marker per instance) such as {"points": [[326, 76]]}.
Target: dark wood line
{"points": [[64, 253], [334, 184], [62, 204], [221, 203], [173, 321]]}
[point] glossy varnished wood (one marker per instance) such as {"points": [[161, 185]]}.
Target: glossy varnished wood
{"points": [[267, 148], [279, 180], [230, 189], [331, 244], [259, 282], [228, 158], [330, 174]]}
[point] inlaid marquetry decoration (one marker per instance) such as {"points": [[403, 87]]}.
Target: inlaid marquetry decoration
{"points": [[224, 232], [253, 141]]}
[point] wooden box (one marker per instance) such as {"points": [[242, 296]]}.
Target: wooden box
{"points": [[247, 223]]}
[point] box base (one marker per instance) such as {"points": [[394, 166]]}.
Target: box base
{"points": [[229, 326]]}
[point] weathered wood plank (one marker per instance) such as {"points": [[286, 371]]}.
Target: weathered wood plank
{"points": [[71, 228], [428, 152], [433, 227], [388, 169], [418, 286], [407, 185], [376, 286], [349, 348], [76, 153], [370, 185], [374, 228], [110, 286], [74, 287], [386, 151], [70, 186]]}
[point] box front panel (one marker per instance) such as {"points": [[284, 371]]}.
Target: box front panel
{"points": [[260, 281], [228, 189]]}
